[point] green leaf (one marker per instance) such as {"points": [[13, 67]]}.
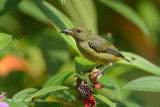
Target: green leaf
{"points": [[127, 12], [24, 94], [83, 64], [140, 63], [47, 90], [64, 95], [14, 103], [149, 83], [4, 40], [10, 23], [108, 37], [63, 1], [27, 7], [49, 104], [59, 20], [105, 100], [145, 8], [83, 13], [111, 89], [57, 79], [53, 48], [9, 4], [132, 104]]}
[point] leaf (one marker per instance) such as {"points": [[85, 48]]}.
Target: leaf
{"points": [[57, 79], [27, 7], [111, 89], [24, 94], [149, 83], [6, 25], [140, 63], [105, 100], [63, 95], [4, 40], [9, 4], [63, 1], [108, 37], [145, 8], [53, 48], [127, 12], [132, 104], [47, 90], [83, 64], [83, 13], [59, 20], [14, 103], [48, 104]]}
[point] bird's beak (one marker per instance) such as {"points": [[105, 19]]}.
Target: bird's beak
{"points": [[68, 32]]}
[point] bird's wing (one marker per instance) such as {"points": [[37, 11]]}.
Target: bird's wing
{"points": [[103, 46]]}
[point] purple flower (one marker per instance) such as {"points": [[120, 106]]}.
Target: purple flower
{"points": [[3, 104]]}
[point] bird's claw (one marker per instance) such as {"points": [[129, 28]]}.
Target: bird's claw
{"points": [[99, 73]]}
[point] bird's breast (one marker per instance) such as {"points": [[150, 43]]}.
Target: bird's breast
{"points": [[87, 51], [94, 56]]}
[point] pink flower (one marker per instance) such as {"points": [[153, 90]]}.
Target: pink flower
{"points": [[90, 102], [3, 104], [98, 85], [2, 96]]}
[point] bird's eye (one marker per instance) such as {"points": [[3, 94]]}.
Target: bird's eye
{"points": [[79, 31]]}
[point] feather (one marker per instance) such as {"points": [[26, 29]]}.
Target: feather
{"points": [[103, 46]]}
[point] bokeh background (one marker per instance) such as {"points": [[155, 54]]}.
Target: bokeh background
{"points": [[38, 51]]}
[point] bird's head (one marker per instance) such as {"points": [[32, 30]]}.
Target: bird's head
{"points": [[78, 33]]}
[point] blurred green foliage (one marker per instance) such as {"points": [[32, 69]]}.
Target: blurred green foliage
{"points": [[49, 57]]}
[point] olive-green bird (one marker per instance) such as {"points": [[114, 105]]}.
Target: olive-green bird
{"points": [[94, 47]]}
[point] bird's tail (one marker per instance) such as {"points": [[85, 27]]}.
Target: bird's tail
{"points": [[127, 60]]}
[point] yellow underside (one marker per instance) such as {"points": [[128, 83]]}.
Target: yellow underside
{"points": [[94, 56]]}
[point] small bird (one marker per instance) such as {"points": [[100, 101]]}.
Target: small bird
{"points": [[94, 47]]}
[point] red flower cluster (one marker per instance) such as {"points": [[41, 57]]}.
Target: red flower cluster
{"points": [[90, 102], [85, 92]]}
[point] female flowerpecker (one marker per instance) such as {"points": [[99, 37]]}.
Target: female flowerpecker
{"points": [[94, 47]]}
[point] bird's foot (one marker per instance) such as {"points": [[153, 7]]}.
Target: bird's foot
{"points": [[102, 70]]}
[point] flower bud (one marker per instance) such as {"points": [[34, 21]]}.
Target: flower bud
{"points": [[94, 79], [85, 90]]}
